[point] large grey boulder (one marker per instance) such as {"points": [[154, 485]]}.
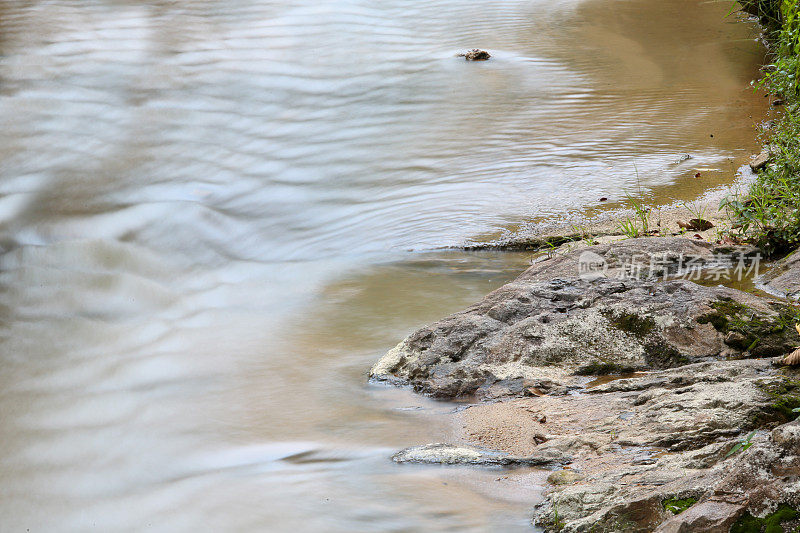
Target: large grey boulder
{"points": [[610, 311]]}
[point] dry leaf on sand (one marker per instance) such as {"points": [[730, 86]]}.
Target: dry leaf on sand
{"points": [[793, 358]]}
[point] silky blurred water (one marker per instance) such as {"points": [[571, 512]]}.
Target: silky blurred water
{"points": [[215, 216]]}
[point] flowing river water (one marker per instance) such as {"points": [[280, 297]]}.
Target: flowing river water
{"points": [[216, 215]]}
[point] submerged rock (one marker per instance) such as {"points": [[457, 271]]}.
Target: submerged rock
{"points": [[559, 318], [449, 454]]}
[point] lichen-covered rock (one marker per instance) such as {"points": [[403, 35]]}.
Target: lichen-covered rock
{"points": [[646, 452], [644, 442], [564, 477], [551, 321], [672, 410], [710, 516], [760, 487]]}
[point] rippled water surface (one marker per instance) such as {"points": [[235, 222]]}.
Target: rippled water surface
{"points": [[215, 216]]}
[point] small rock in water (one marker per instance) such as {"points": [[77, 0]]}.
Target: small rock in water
{"points": [[684, 157], [476, 55], [448, 454]]}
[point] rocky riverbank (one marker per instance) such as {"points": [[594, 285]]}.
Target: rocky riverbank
{"points": [[652, 394], [646, 373]]}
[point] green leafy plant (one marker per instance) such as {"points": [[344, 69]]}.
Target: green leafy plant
{"points": [[628, 228], [783, 75], [636, 224], [742, 445], [558, 523], [551, 249]]}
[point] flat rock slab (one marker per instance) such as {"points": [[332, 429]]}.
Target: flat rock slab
{"points": [[783, 279], [635, 443], [666, 411]]}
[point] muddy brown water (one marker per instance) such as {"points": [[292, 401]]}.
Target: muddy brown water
{"points": [[215, 216]]}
